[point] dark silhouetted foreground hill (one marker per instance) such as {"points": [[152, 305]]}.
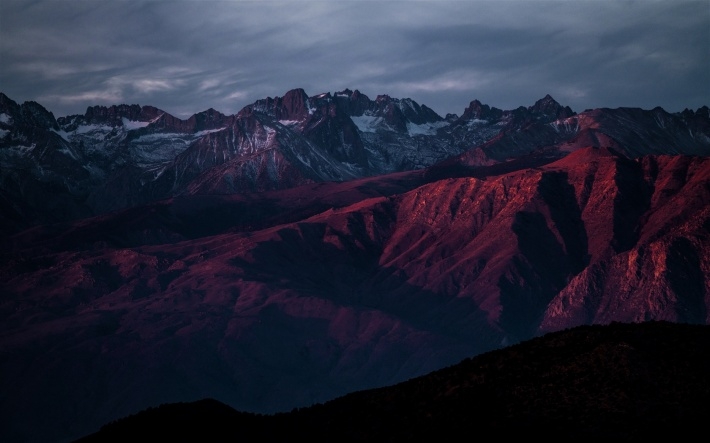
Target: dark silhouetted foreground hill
{"points": [[620, 380]]}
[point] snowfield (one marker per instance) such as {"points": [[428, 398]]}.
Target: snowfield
{"points": [[367, 123]]}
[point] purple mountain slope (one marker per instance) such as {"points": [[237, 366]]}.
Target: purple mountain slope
{"points": [[288, 254]]}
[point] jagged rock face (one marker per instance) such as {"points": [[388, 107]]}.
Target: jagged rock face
{"points": [[24, 122], [378, 136], [522, 238], [129, 155], [120, 156], [42, 177], [133, 115], [334, 132], [634, 132], [637, 132], [249, 155], [398, 113], [320, 121], [113, 115], [478, 111], [327, 121], [294, 105], [502, 135], [95, 162], [354, 103], [375, 292], [548, 109], [659, 268]]}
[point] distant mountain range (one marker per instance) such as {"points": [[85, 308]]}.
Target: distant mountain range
{"points": [[122, 156], [308, 247]]}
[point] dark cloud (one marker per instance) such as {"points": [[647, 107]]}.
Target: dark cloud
{"points": [[186, 56]]}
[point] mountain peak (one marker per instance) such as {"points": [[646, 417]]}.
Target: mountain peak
{"points": [[296, 91], [550, 107], [295, 96], [346, 91], [547, 102], [478, 111], [383, 98], [4, 99], [292, 106], [355, 103], [34, 113]]}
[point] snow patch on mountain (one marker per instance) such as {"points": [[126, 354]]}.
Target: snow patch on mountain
{"points": [[132, 125], [425, 128], [65, 150], [6, 119], [208, 131], [367, 123], [149, 138], [151, 150], [19, 150], [311, 109], [147, 156], [3, 133], [567, 125], [476, 121], [94, 130], [63, 134], [174, 136], [352, 167]]}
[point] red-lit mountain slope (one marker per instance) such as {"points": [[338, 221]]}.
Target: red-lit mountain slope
{"points": [[384, 287]]}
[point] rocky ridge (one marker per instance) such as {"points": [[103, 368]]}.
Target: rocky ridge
{"points": [[126, 155]]}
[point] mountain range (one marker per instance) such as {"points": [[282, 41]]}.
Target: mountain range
{"points": [[311, 246]]}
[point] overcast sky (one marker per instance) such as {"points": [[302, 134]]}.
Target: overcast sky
{"points": [[187, 56]]}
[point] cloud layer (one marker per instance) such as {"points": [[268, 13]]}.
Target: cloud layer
{"points": [[186, 56]]}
